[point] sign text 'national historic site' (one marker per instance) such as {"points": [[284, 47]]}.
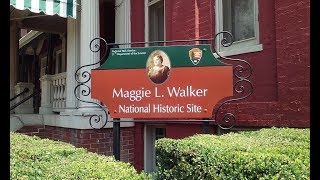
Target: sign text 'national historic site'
{"points": [[162, 82]]}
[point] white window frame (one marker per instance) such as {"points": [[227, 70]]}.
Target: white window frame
{"points": [[146, 19], [239, 47], [149, 147]]}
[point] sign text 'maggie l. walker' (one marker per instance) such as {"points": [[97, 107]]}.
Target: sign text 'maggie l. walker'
{"points": [[162, 82], [138, 95]]}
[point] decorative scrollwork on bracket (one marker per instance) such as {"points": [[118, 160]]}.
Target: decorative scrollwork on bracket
{"points": [[243, 87], [86, 90]]}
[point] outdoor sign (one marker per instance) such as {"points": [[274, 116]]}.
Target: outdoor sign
{"points": [[162, 82]]}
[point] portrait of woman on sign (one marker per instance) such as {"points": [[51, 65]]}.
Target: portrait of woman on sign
{"points": [[158, 67]]}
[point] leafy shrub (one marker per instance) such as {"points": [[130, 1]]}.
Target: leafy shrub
{"points": [[35, 158], [272, 153]]}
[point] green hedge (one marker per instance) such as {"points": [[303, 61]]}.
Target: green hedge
{"points": [[273, 153], [35, 158]]}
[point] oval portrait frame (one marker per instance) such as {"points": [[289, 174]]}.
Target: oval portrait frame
{"points": [[163, 75]]}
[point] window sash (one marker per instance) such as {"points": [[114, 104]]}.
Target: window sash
{"points": [[252, 41], [155, 21], [238, 18], [151, 2]]}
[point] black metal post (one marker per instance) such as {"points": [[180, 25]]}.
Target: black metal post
{"points": [[116, 138], [206, 127]]}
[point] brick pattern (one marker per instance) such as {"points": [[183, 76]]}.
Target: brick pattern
{"points": [[293, 60], [283, 99], [280, 72], [189, 19], [32, 130], [99, 141]]}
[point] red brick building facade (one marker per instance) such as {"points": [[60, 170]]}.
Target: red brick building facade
{"points": [[280, 77]]}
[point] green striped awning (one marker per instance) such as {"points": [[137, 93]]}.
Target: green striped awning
{"points": [[63, 8]]}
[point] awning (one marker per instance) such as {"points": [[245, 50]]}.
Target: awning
{"points": [[63, 8]]}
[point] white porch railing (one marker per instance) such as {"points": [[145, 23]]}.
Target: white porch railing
{"points": [[53, 93], [59, 92]]}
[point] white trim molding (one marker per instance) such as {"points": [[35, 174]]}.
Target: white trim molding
{"points": [[238, 47], [123, 23], [244, 50], [65, 121], [147, 4], [28, 38]]}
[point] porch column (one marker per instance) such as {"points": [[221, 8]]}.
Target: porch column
{"points": [[14, 44], [122, 22], [73, 56], [89, 30]]}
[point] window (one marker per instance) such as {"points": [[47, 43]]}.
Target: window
{"points": [[155, 26], [240, 18], [160, 133], [151, 134]]}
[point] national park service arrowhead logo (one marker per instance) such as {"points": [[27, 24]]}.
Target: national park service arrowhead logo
{"points": [[195, 55]]}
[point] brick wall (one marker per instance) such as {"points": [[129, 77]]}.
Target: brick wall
{"points": [[293, 60], [99, 141], [281, 71], [286, 101], [189, 19]]}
